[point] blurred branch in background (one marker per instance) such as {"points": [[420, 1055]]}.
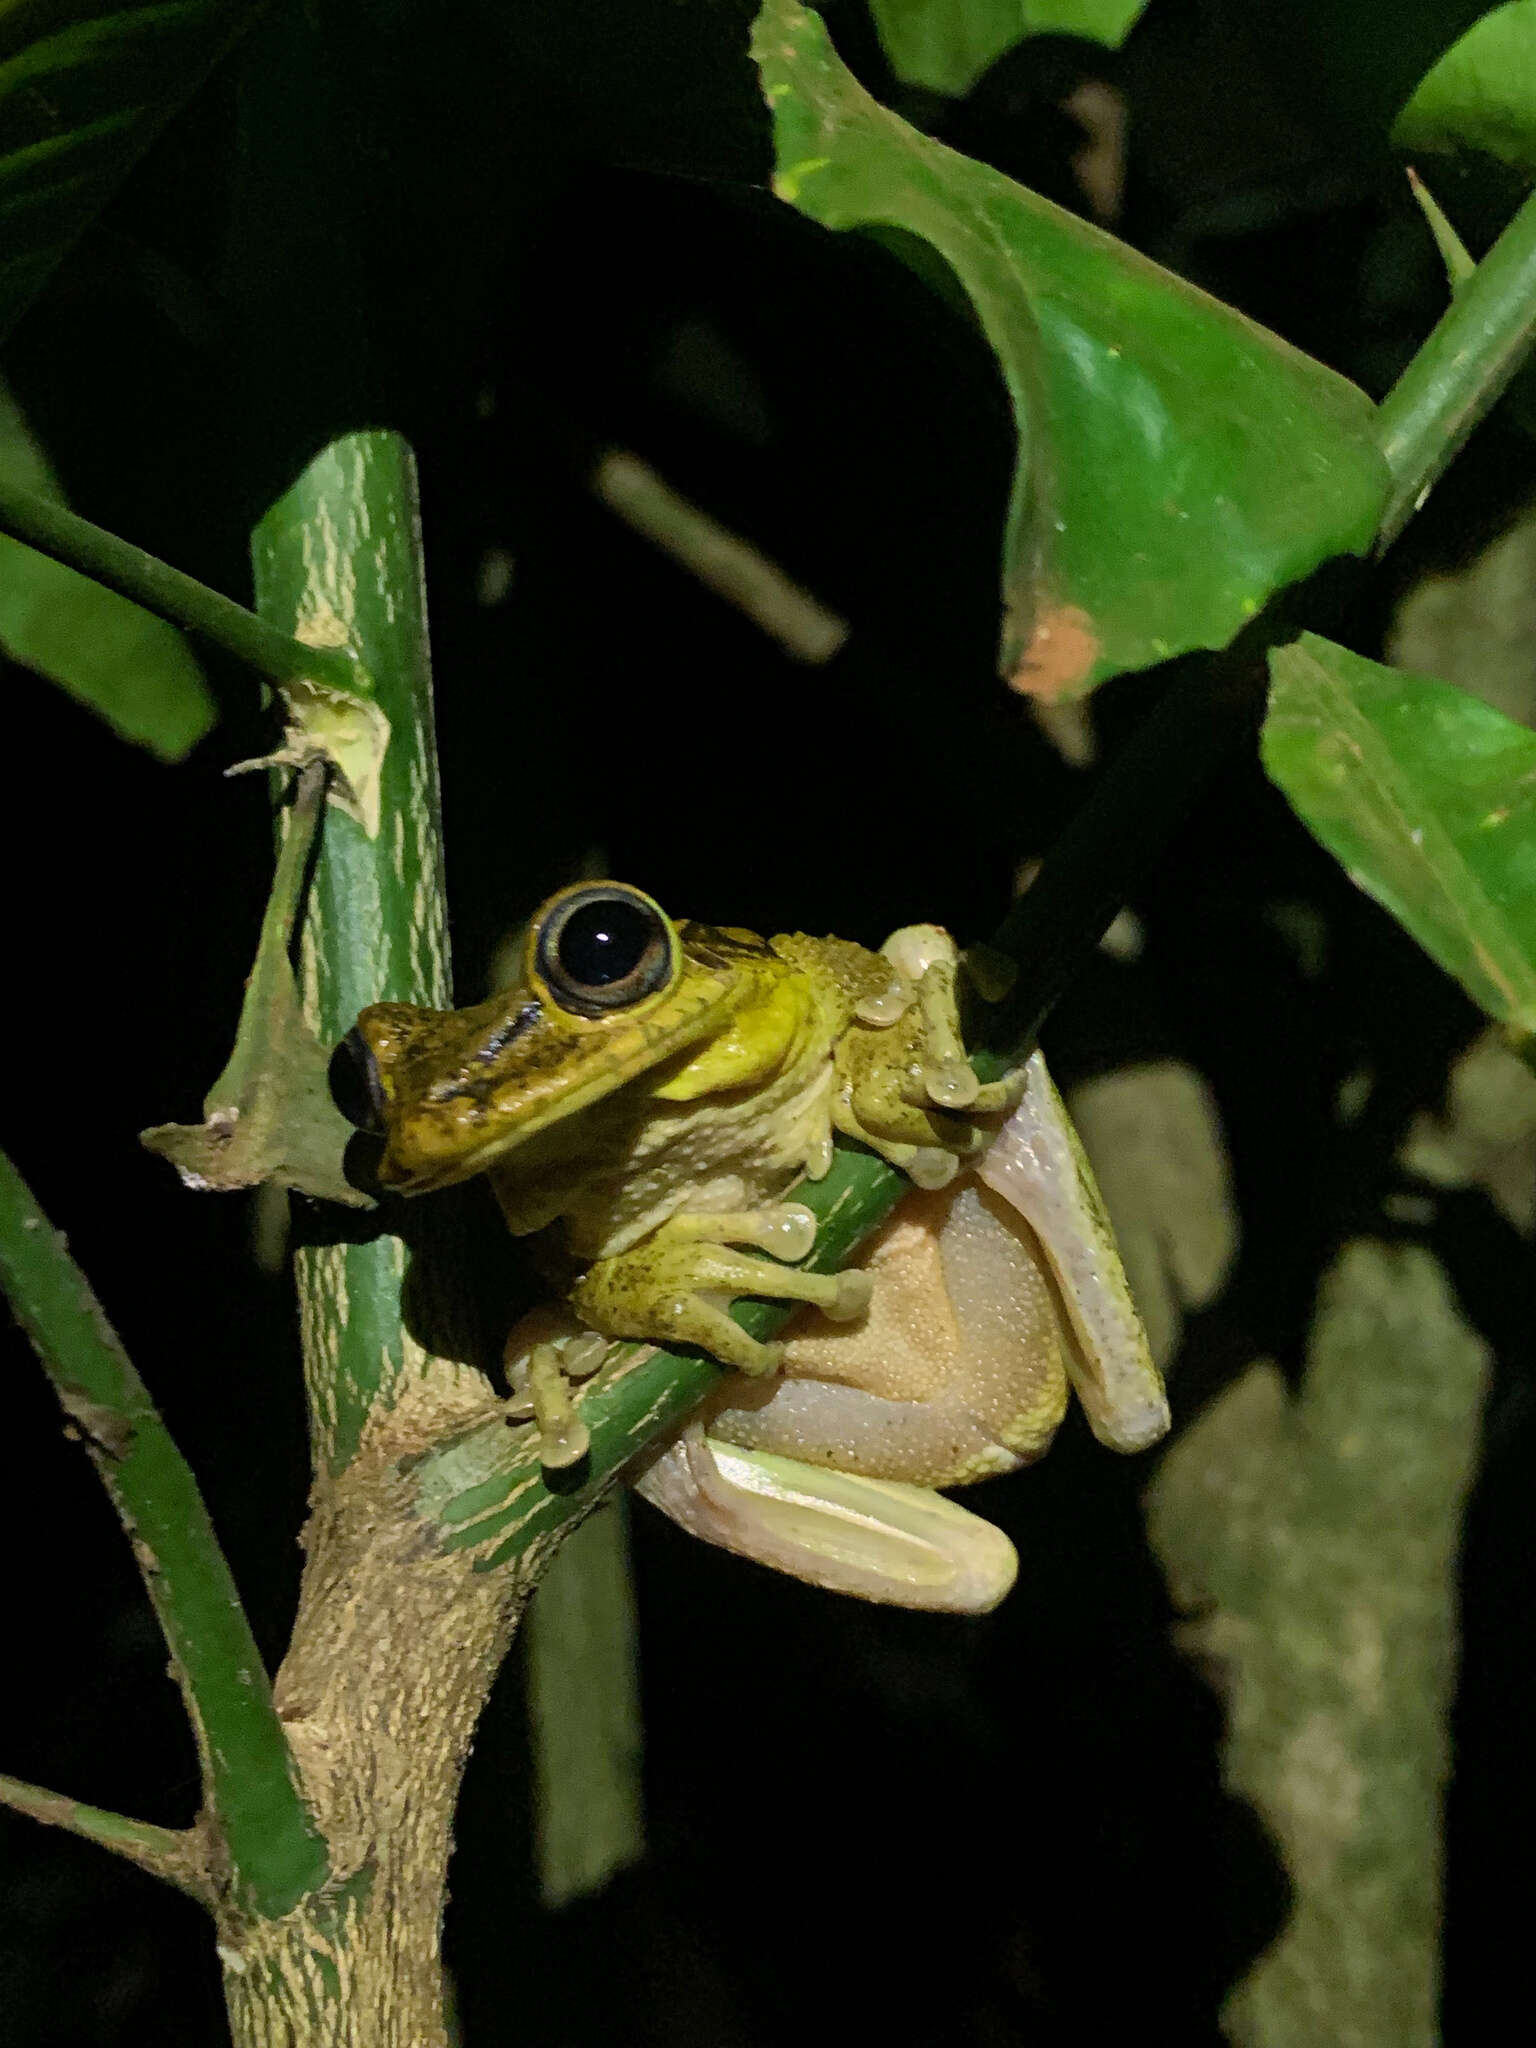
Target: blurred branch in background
{"points": [[730, 566], [1312, 1538], [582, 1679]]}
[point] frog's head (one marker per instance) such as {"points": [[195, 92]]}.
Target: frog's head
{"points": [[608, 990]]}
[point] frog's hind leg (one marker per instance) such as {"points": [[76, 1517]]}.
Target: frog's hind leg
{"points": [[876, 1538], [675, 1288], [540, 1370]]}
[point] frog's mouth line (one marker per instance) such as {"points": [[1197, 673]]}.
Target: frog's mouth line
{"points": [[559, 1098]]}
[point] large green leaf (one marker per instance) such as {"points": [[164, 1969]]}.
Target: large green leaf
{"points": [[1177, 464], [84, 90], [1428, 798], [135, 671], [1482, 93], [947, 44]]}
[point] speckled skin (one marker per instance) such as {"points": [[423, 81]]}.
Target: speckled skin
{"points": [[958, 1371], [707, 1099]]}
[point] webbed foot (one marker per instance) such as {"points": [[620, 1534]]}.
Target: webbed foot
{"points": [[907, 1089], [676, 1287], [539, 1380]]}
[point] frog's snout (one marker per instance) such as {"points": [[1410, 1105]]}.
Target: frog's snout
{"points": [[357, 1088]]}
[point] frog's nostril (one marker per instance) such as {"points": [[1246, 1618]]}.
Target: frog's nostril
{"points": [[355, 1086]]}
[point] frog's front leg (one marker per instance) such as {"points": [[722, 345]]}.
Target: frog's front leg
{"points": [[676, 1286], [906, 1088]]}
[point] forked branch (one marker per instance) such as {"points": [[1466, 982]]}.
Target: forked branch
{"points": [[274, 1852]]}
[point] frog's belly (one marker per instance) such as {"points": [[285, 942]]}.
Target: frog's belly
{"points": [[719, 1153]]}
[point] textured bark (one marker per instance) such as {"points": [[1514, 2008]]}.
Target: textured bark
{"points": [[1316, 1539], [393, 1653]]}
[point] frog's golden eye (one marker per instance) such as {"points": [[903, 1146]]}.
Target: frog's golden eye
{"points": [[603, 948], [356, 1088]]}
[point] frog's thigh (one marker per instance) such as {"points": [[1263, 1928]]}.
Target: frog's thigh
{"points": [[956, 1372], [844, 1429]]}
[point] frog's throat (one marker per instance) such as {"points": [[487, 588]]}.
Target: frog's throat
{"points": [[418, 1168]]}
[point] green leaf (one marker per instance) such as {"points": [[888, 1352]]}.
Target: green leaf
{"points": [[270, 1118], [84, 91], [1482, 93], [947, 44], [133, 670], [1428, 798], [1177, 464]]}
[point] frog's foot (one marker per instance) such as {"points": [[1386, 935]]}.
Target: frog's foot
{"points": [[676, 1287], [907, 1089], [786, 1230], [925, 955], [539, 1377]]}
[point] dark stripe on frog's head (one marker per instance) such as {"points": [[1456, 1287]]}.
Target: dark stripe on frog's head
{"points": [[721, 945], [473, 1085], [504, 1033]]}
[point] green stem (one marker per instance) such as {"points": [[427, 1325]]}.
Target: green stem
{"points": [[1460, 372], [169, 594], [248, 1779], [163, 1852], [488, 1491], [344, 542]]}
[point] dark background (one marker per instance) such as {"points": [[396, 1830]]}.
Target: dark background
{"points": [[520, 243]]}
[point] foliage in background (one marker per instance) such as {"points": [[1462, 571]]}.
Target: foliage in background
{"points": [[1434, 776], [1428, 798], [133, 669], [946, 45], [1176, 464], [1482, 93], [1314, 1541], [86, 93]]}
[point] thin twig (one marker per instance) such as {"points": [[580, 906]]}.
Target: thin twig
{"points": [[171, 1855], [728, 565], [1460, 373], [168, 592]]}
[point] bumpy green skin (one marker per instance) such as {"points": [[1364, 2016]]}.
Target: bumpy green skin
{"points": [[660, 1132]]}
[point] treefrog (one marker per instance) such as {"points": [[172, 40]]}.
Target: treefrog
{"points": [[657, 1089]]}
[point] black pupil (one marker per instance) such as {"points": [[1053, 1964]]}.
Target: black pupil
{"points": [[601, 943]]}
